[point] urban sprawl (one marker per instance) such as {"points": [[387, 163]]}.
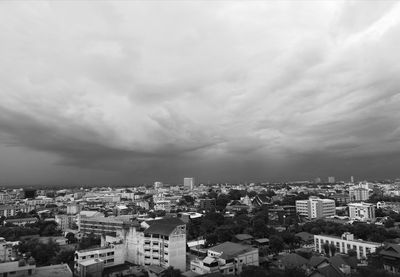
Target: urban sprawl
{"points": [[313, 229]]}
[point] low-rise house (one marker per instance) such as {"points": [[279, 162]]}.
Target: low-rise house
{"points": [[226, 258], [21, 221], [391, 258], [345, 243]]}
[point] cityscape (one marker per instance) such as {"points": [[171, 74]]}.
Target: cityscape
{"points": [[199, 138]]}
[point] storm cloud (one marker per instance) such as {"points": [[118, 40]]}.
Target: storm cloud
{"points": [[125, 92]]}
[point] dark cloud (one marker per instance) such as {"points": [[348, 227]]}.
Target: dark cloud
{"points": [[225, 91]]}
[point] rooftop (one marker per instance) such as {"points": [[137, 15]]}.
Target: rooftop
{"points": [[163, 226], [230, 249], [59, 270]]}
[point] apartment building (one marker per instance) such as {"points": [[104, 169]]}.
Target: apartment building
{"points": [[316, 207], [361, 211], [345, 243], [160, 242], [226, 258], [110, 255], [358, 193], [104, 225], [7, 250]]}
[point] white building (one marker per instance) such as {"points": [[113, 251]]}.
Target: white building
{"points": [[316, 207], [159, 242], [358, 193], [7, 250], [110, 256], [188, 183], [345, 243], [227, 258], [361, 211]]}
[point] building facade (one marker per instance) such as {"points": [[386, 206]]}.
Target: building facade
{"points": [[345, 243], [316, 207], [361, 211], [227, 258]]}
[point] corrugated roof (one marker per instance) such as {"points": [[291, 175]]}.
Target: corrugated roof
{"points": [[163, 226], [230, 249]]}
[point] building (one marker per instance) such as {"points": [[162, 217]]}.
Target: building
{"points": [[21, 221], [160, 242], [316, 207], [105, 225], [345, 243], [164, 243], [7, 250], [357, 193], [28, 267], [341, 198], [86, 260], [361, 211], [189, 183], [207, 204], [331, 180], [73, 209], [226, 258], [391, 258], [64, 221]]}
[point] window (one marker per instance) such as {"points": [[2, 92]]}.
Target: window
{"points": [[110, 260]]}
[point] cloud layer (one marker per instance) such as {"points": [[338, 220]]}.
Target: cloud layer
{"points": [[226, 91]]}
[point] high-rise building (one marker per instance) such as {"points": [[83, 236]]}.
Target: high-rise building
{"points": [[316, 207], [358, 193], [352, 179], [317, 180], [189, 183], [362, 211], [331, 180]]}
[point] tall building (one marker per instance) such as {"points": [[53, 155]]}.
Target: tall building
{"points": [[362, 211], [352, 179], [189, 183], [159, 242], [316, 207], [331, 180], [358, 193]]}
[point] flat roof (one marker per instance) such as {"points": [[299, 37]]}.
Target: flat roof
{"points": [[59, 270]]}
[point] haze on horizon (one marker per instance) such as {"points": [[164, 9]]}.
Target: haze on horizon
{"points": [[143, 91]]}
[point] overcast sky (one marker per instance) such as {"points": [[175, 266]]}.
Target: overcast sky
{"points": [[130, 92]]}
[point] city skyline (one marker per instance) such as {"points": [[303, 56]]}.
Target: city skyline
{"points": [[134, 92]]}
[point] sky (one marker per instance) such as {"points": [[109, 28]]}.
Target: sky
{"points": [[123, 92]]}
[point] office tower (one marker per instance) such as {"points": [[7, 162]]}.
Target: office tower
{"points": [[352, 179], [331, 179], [188, 183], [317, 180]]}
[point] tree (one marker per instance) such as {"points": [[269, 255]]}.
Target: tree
{"points": [[352, 253], [389, 223], [171, 272], [89, 241], [276, 244], [332, 248], [253, 271], [43, 253], [71, 238], [326, 248]]}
